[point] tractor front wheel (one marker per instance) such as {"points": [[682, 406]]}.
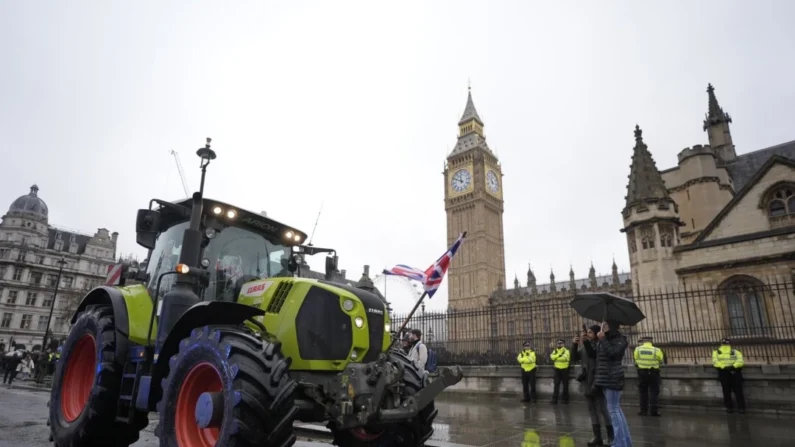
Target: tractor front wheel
{"points": [[414, 432], [85, 388], [226, 387]]}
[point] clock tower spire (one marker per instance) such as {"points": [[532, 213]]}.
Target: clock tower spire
{"points": [[474, 203]]}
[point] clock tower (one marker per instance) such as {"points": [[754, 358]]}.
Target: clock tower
{"points": [[473, 201]]}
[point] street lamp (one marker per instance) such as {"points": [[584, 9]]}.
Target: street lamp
{"points": [[61, 263]]}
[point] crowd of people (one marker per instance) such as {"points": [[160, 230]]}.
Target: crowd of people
{"points": [[600, 350], [20, 364]]}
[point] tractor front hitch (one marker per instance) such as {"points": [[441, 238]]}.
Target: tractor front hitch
{"points": [[443, 378]]}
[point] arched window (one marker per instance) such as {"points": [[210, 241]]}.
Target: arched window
{"points": [[779, 201], [745, 304], [666, 236], [647, 238], [633, 246]]}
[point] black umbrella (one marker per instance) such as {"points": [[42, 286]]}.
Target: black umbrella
{"points": [[600, 306]]}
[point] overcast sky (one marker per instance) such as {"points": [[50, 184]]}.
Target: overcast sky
{"points": [[355, 104]]}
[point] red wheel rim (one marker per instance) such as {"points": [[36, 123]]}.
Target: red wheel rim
{"points": [[202, 378], [362, 434], [81, 370]]}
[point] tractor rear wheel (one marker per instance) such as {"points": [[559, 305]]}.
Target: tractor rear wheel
{"points": [[85, 388], [411, 433], [227, 387]]}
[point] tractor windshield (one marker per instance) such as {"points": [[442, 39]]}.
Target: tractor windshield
{"points": [[233, 256]]}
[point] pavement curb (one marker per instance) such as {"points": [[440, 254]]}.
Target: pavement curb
{"points": [[323, 432], [40, 389]]}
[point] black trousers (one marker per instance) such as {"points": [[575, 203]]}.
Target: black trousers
{"points": [[561, 378], [529, 385], [732, 381], [10, 375], [649, 387]]}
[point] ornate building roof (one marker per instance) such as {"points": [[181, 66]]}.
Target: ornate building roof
{"points": [[30, 204], [746, 165], [472, 138], [715, 114], [645, 181], [470, 112]]}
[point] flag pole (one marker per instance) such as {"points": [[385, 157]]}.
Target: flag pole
{"points": [[416, 306]]}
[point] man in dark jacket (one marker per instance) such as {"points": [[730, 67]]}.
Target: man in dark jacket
{"points": [[12, 362]]}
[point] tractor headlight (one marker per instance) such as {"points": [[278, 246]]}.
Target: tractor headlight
{"points": [[359, 322], [354, 355], [348, 305], [387, 327]]}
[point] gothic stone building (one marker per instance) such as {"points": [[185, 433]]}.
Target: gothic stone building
{"points": [[719, 230], [708, 241], [30, 251]]}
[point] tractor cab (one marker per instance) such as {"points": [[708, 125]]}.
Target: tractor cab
{"points": [[237, 246]]}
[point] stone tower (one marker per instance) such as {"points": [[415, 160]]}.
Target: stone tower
{"points": [[651, 223], [716, 124], [473, 201]]}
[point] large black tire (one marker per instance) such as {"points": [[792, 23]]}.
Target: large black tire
{"points": [[411, 433], [249, 376], [82, 410]]}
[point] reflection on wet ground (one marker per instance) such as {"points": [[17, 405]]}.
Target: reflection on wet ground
{"points": [[482, 420]]}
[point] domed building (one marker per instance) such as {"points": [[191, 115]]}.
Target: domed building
{"points": [[31, 254]]}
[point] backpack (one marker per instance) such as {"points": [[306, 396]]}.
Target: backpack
{"points": [[430, 365]]}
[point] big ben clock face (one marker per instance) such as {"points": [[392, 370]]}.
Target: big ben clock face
{"points": [[492, 182], [461, 180]]}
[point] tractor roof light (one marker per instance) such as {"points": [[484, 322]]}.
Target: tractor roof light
{"points": [[231, 214], [289, 234], [217, 210]]}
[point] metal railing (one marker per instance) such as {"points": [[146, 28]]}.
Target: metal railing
{"points": [[688, 324]]}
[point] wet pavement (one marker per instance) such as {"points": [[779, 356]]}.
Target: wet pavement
{"points": [[483, 420]]}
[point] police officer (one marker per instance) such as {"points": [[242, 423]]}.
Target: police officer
{"points": [[647, 360], [560, 357], [729, 364], [531, 438], [527, 360]]}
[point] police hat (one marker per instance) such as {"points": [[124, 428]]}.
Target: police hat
{"points": [[725, 341], [526, 344], [646, 338], [560, 341]]}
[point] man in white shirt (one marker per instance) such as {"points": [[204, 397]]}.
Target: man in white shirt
{"points": [[418, 353]]}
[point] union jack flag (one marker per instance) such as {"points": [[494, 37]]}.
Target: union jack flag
{"points": [[432, 277]]}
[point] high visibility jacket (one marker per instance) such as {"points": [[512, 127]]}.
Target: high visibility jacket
{"points": [[726, 357], [647, 356], [531, 439], [566, 441], [561, 357], [527, 360]]}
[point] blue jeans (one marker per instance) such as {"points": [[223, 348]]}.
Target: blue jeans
{"points": [[620, 426]]}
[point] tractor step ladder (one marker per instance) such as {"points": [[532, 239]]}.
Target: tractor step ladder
{"points": [[131, 377]]}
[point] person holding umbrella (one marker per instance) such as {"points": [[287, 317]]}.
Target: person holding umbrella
{"points": [[611, 347]]}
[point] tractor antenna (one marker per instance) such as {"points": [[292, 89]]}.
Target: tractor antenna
{"points": [[315, 227]]}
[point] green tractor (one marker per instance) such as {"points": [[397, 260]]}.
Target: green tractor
{"points": [[230, 346]]}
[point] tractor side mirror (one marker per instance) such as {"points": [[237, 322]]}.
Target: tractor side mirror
{"points": [[147, 227], [331, 265]]}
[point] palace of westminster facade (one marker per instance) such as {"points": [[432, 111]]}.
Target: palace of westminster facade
{"points": [[717, 221]]}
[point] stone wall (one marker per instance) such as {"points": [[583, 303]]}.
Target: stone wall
{"points": [[768, 388]]}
